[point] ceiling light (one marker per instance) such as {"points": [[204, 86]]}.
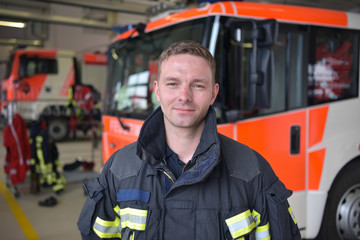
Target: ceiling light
{"points": [[12, 24]]}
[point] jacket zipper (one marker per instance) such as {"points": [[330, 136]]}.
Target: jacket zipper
{"points": [[169, 176]]}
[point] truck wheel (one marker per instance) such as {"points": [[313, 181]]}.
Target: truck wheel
{"points": [[58, 128], [341, 219]]}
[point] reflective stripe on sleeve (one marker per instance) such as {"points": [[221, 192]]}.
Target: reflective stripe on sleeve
{"points": [[256, 216], [241, 224], [107, 229], [292, 215], [263, 232], [133, 218]]}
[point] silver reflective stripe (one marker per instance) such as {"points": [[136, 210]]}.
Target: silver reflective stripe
{"points": [[107, 229], [241, 224], [263, 232], [133, 218]]}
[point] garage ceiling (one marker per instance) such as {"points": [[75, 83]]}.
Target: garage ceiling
{"points": [[98, 11]]}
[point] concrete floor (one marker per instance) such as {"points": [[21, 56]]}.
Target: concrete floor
{"points": [[22, 218]]}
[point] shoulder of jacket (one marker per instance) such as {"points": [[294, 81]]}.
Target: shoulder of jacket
{"points": [[242, 161], [125, 163]]}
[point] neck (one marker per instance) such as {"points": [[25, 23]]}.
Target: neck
{"points": [[183, 141]]}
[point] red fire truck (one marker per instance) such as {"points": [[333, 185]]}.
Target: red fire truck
{"points": [[289, 88], [38, 81]]}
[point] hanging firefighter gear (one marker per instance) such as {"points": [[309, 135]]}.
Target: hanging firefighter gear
{"points": [[44, 157], [83, 107], [18, 150]]}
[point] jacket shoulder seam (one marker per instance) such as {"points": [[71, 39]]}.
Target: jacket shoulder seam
{"points": [[241, 160], [126, 163]]}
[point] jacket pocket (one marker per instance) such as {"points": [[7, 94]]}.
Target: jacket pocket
{"points": [[207, 225], [95, 193]]}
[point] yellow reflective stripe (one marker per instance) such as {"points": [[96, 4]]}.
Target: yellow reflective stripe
{"points": [[133, 211], [292, 215], [40, 156], [107, 235], [39, 140], [241, 224], [58, 186], [132, 237], [32, 161], [107, 229], [117, 210], [263, 232], [39, 152], [133, 218], [256, 216]]}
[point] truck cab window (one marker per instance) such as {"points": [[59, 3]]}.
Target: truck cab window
{"points": [[40, 66], [333, 70], [288, 87]]}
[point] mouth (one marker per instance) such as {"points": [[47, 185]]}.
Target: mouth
{"points": [[184, 110]]}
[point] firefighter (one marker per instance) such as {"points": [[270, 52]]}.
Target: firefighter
{"points": [[44, 160], [182, 179]]}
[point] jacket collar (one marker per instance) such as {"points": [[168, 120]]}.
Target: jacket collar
{"points": [[151, 146]]}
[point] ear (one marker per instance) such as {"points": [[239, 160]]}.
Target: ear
{"points": [[156, 90], [215, 92]]}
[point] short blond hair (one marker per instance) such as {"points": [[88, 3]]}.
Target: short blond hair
{"points": [[188, 47]]}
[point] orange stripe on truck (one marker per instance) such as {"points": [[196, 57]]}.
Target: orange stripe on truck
{"points": [[302, 15], [316, 163], [293, 13], [317, 121]]}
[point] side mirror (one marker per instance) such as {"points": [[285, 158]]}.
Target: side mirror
{"points": [[269, 30], [251, 87], [260, 94], [23, 67], [20, 83]]}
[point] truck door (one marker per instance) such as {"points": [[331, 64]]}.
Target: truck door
{"points": [[277, 127]]}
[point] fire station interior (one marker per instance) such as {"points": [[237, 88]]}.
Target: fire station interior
{"points": [[32, 208]]}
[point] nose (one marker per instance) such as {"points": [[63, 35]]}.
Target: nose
{"points": [[185, 94]]}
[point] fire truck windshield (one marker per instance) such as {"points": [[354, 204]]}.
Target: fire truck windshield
{"points": [[133, 67]]}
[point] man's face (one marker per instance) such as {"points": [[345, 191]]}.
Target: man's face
{"points": [[185, 90]]}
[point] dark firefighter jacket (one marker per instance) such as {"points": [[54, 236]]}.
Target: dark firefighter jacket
{"points": [[227, 191]]}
